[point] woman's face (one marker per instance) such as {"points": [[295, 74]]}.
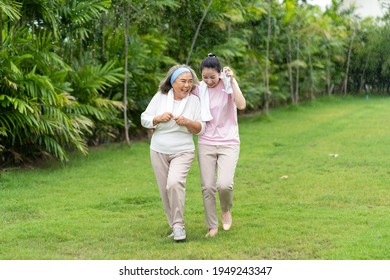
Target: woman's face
{"points": [[182, 86], [210, 76]]}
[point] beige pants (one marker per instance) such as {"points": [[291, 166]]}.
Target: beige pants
{"points": [[171, 172], [217, 166]]}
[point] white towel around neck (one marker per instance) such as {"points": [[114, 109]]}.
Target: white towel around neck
{"points": [[169, 105], [204, 97]]}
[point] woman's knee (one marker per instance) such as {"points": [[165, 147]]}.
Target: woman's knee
{"points": [[209, 191], [224, 186], [175, 184]]}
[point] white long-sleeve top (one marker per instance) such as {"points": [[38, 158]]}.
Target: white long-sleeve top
{"points": [[169, 137]]}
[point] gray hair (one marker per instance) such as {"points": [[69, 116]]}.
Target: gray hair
{"points": [[165, 84]]}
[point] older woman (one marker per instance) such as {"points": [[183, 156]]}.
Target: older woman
{"points": [[175, 115]]}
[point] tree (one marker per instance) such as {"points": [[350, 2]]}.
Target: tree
{"points": [[267, 58], [197, 31], [76, 73], [11, 9], [32, 118]]}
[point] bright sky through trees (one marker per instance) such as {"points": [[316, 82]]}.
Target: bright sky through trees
{"points": [[364, 7]]}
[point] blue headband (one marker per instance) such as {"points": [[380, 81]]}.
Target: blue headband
{"points": [[178, 72]]}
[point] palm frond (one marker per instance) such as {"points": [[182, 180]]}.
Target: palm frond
{"points": [[43, 54], [18, 104], [38, 86], [81, 12], [109, 104], [11, 8], [52, 146]]}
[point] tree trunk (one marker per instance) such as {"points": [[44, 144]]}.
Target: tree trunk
{"points": [[71, 46], [297, 73], [103, 46], [1, 30], [312, 96], [290, 73], [81, 49], [267, 59], [345, 83], [197, 31], [229, 36], [362, 78], [329, 87], [125, 103]]}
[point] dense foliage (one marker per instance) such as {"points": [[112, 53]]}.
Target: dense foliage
{"points": [[78, 72]]}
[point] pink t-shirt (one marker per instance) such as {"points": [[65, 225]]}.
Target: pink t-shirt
{"points": [[223, 128]]}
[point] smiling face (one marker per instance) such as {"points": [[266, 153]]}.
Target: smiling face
{"points": [[210, 76], [182, 86]]}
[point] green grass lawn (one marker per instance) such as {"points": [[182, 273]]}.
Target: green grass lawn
{"points": [[312, 184]]}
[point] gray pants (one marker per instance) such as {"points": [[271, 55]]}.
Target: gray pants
{"points": [[171, 173], [217, 167]]}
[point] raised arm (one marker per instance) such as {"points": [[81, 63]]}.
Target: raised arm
{"points": [[239, 98]]}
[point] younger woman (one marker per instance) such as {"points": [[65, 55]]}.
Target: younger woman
{"points": [[219, 145]]}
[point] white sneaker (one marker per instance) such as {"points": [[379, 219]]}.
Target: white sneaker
{"points": [[179, 233]]}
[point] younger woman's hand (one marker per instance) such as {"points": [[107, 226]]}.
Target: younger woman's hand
{"points": [[228, 72]]}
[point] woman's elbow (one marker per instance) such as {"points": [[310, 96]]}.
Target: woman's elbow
{"points": [[241, 106], [202, 129]]}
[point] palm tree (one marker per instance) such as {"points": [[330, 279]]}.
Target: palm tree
{"points": [[77, 22], [12, 10], [40, 15], [32, 120]]}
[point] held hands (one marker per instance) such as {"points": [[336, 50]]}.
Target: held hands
{"points": [[182, 121], [167, 116], [192, 126]]}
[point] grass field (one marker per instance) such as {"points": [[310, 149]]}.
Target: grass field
{"points": [[312, 184]]}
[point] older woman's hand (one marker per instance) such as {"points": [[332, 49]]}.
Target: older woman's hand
{"points": [[182, 121], [162, 118]]}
